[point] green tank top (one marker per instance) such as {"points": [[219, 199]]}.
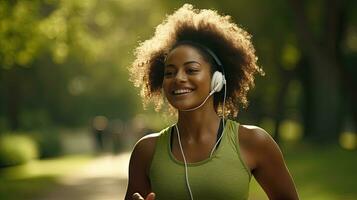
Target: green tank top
{"points": [[223, 176]]}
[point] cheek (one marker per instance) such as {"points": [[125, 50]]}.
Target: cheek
{"points": [[165, 87], [204, 82]]}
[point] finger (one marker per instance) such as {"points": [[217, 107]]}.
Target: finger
{"points": [[137, 196], [150, 196]]}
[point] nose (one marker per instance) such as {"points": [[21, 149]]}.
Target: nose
{"points": [[181, 76]]}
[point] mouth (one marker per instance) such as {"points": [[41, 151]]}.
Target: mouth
{"points": [[181, 91]]}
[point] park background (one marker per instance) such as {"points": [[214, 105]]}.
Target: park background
{"points": [[67, 104]]}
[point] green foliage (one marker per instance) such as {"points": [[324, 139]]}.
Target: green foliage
{"points": [[19, 39], [48, 141], [65, 61], [16, 148], [34, 120]]}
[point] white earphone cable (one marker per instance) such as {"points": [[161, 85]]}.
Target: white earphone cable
{"points": [[184, 160], [215, 146], [224, 100]]}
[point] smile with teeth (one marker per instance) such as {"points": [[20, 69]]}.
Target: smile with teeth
{"points": [[181, 91]]}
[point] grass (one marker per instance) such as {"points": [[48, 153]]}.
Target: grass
{"points": [[32, 179], [324, 173]]}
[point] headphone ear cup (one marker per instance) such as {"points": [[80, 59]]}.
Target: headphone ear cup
{"points": [[217, 81]]}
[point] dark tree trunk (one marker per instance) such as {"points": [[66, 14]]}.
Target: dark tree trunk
{"points": [[11, 86], [325, 99], [349, 83], [306, 106], [280, 102]]}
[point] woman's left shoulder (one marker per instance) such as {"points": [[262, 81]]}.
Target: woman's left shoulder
{"points": [[266, 162], [254, 135], [257, 140]]}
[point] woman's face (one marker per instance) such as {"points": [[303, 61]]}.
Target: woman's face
{"points": [[187, 78]]}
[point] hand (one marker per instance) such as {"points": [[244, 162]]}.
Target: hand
{"points": [[150, 196]]}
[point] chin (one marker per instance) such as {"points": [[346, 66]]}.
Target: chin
{"points": [[183, 106]]}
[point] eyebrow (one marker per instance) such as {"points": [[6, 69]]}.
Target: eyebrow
{"points": [[185, 63]]}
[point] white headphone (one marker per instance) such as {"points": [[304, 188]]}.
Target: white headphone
{"points": [[217, 82]]}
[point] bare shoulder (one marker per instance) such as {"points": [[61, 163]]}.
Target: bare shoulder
{"points": [[254, 136], [269, 167], [139, 165], [143, 152], [144, 148], [148, 141], [258, 143]]}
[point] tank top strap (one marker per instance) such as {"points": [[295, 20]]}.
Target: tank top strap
{"points": [[161, 147], [233, 138], [231, 131]]}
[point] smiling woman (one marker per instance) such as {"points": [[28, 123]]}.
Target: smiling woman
{"points": [[204, 65]]}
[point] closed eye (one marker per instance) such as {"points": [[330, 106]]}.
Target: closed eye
{"points": [[192, 71], [168, 73]]}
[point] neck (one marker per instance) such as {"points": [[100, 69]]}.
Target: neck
{"points": [[198, 123]]}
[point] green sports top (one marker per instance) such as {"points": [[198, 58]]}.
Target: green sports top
{"points": [[222, 176]]}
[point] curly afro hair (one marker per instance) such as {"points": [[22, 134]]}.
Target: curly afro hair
{"points": [[231, 44]]}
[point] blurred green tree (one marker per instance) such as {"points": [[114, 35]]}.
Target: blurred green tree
{"points": [[67, 60], [323, 29]]}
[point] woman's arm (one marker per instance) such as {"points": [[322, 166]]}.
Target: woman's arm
{"points": [[269, 167], [139, 165]]}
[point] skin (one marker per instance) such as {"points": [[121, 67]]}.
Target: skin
{"points": [[186, 68]]}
